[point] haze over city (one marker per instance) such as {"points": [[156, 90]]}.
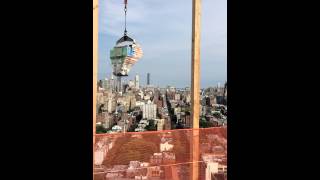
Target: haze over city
{"points": [[164, 33]]}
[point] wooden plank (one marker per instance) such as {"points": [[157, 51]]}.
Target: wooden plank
{"points": [[95, 70], [195, 85], [195, 66]]}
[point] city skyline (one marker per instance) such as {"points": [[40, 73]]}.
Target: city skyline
{"points": [[145, 84], [166, 44]]}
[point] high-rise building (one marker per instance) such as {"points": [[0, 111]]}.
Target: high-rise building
{"points": [[149, 111], [136, 81], [130, 101], [160, 124], [118, 84], [225, 90], [112, 83], [105, 84], [188, 98], [148, 79], [100, 98], [107, 121], [109, 105]]}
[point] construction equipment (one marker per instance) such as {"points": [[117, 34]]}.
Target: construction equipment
{"points": [[125, 53]]}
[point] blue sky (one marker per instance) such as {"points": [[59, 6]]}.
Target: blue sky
{"points": [[163, 29]]}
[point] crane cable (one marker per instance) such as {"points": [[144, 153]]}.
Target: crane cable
{"points": [[125, 17]]}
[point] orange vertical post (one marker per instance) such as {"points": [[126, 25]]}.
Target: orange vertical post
{"points": [[95, 70], [195, 86]]}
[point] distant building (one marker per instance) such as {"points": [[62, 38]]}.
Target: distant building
{"points": [[146, 97], [212, 165], [212, 100], [167, 123], [160, 103], [107, 121], [187, 121], [188, 98], [149, 111], [160, 124], [136, 82], [140, 177], [108, 105], [168, 157], [100, 98], [208, 101], [131, 84], [171, 89], [112, 83], [164, 157], [100, 84], [225, 93], [220, 99], [148, 79], [154, 172], [219, 176], [156, 159], [177, 97], [130, 101], [177, 110], [133, 169], [140, 104], [117, 172]]}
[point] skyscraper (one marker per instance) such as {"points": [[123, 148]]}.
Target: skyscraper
{"points": [[105, 84], [148, 79], [112, 83], [118, 84], [136, 82], [149, 111]]}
